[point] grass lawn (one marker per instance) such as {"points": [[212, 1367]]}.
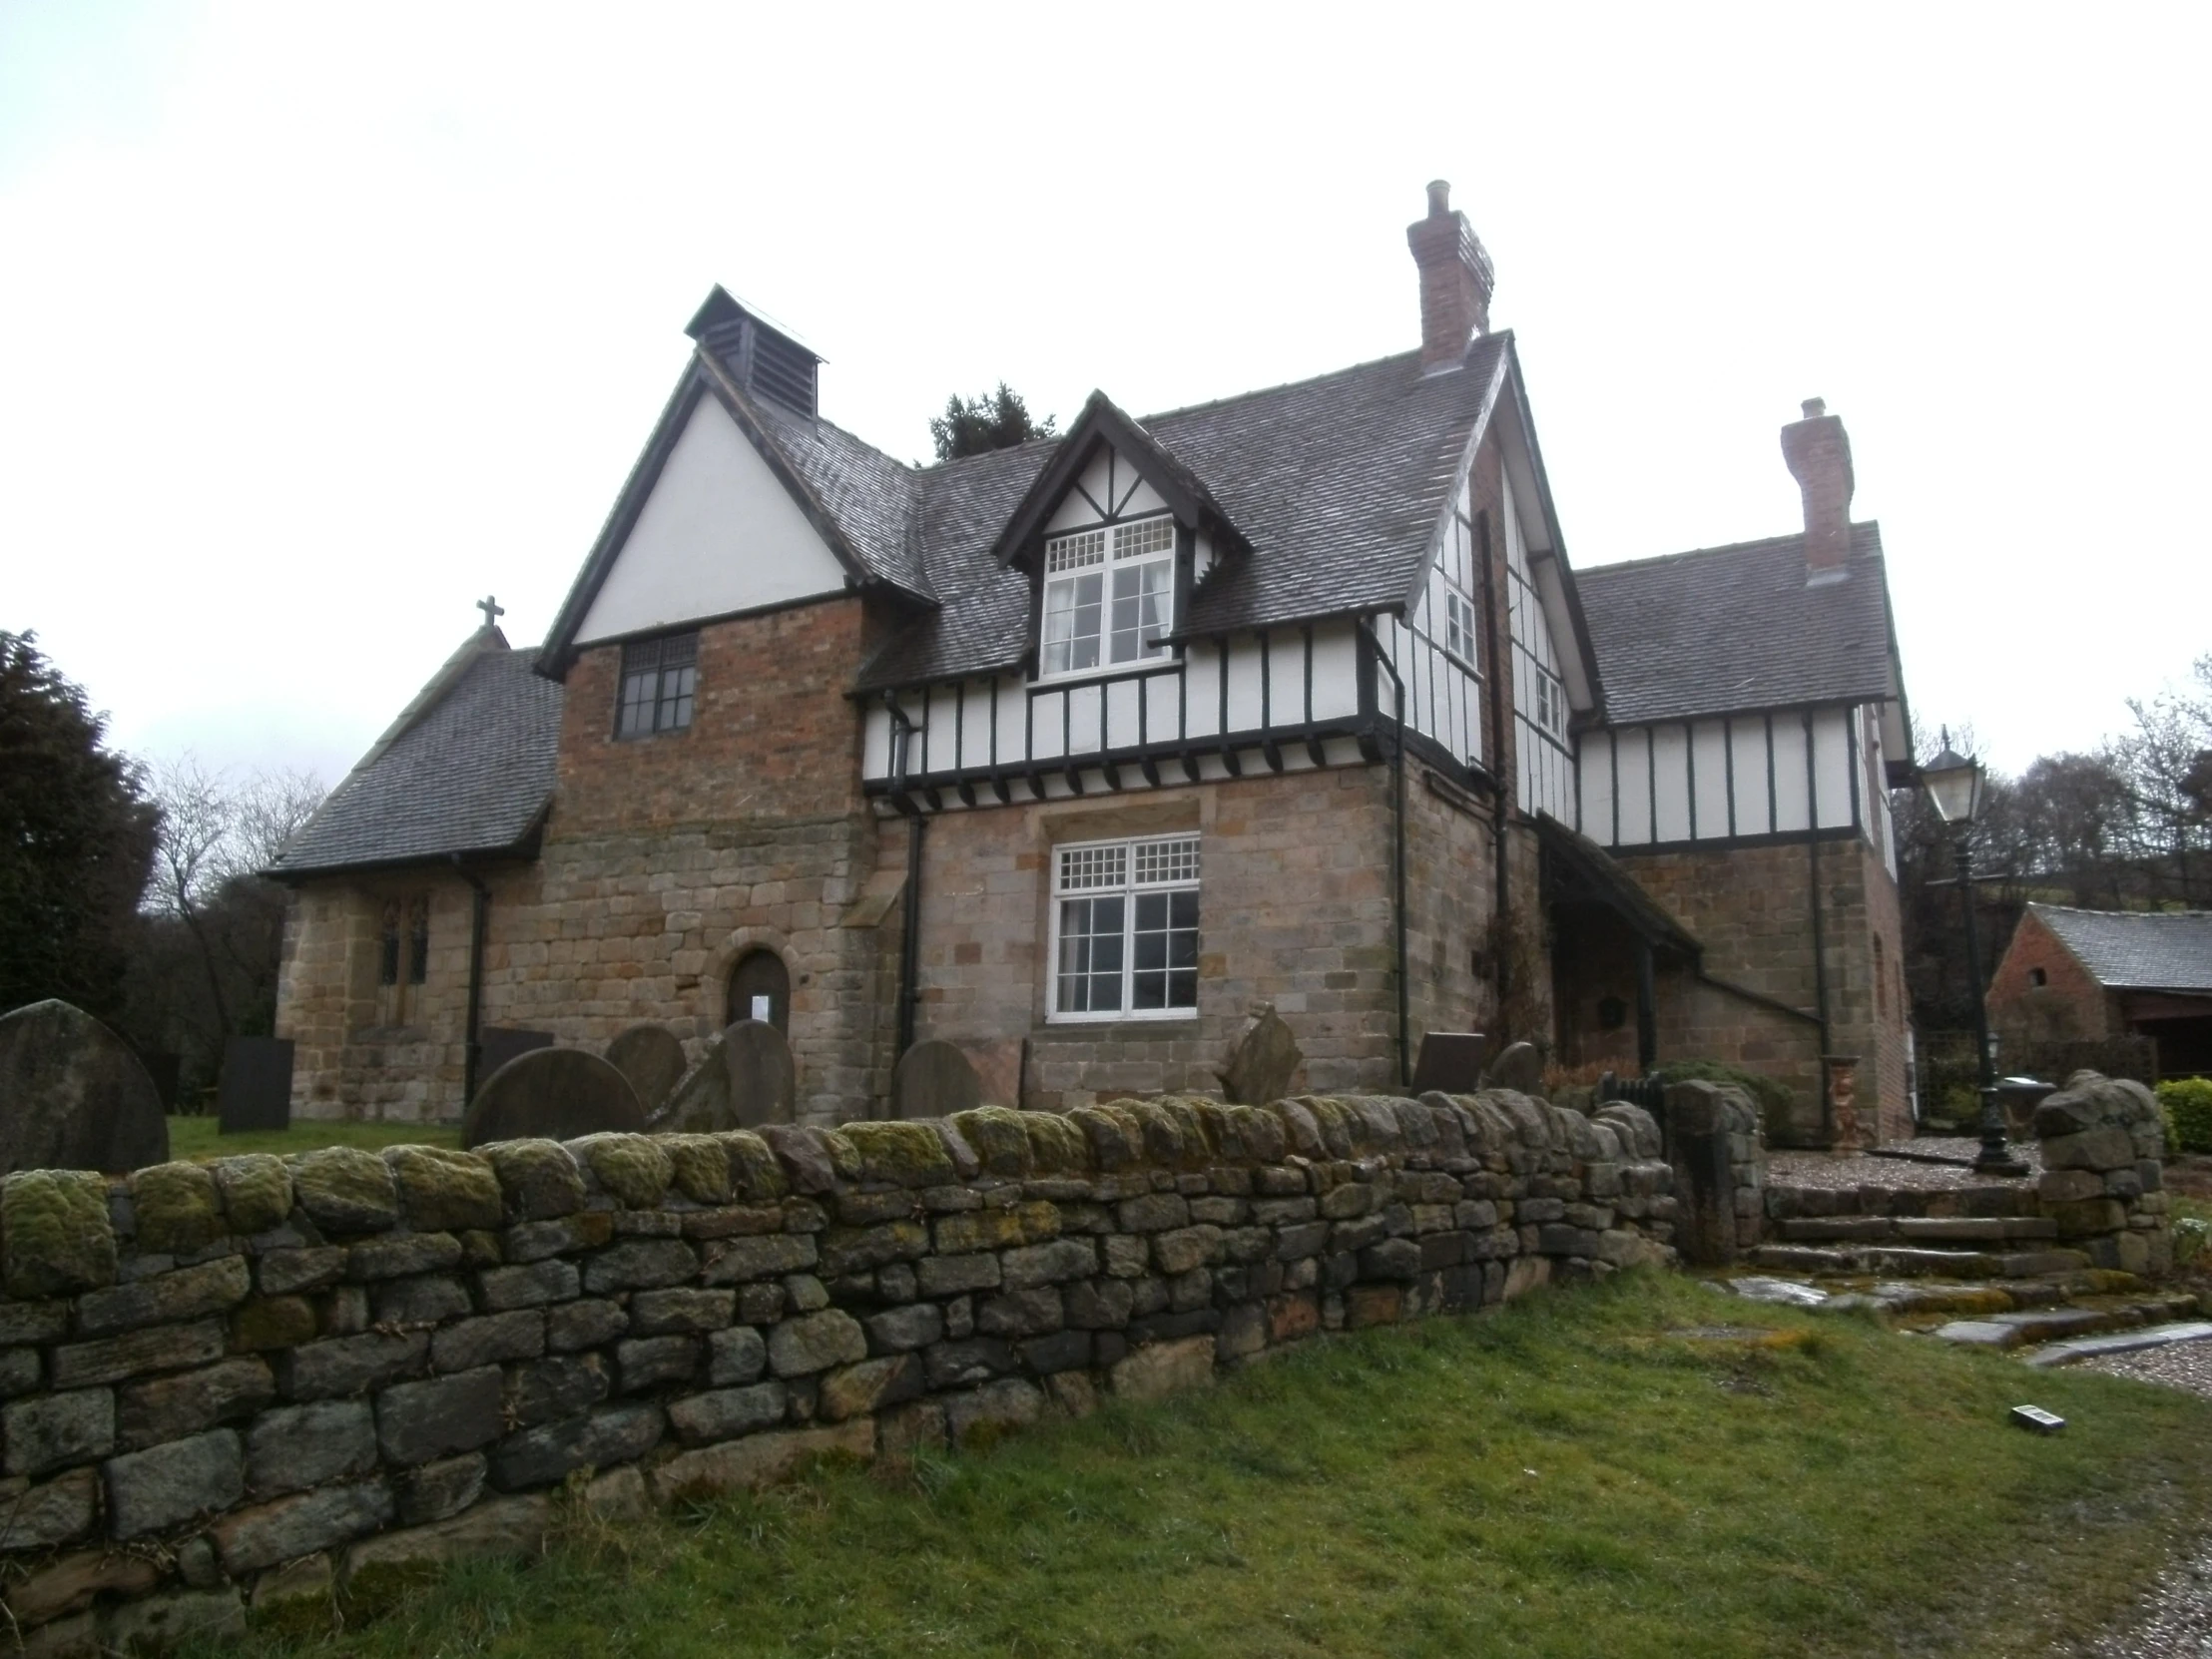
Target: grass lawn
{"points": [[195, 1137], [1572, 1477]]}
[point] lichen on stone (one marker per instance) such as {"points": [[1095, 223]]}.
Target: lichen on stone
{"points": [[177, 1208], [632, 1168], [998, 1138], [446, 1191], [845, 1157], [1337, 1135], [539, 1179], [55, 1233], [271, 1321], [1218, 1131], [255, 1188], [1261, 1133], [700, 1165], [902, 1154], [1116, 1137], [1056, 1146], [1163, 1133], [346, 1189], [753, 1171]]}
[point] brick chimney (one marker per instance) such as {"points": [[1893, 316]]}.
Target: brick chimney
{"points": [[1456, 281], [1819, 455]]}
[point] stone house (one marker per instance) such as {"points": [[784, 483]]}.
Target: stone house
{"points": [[2083, 976], [1074, 751]]}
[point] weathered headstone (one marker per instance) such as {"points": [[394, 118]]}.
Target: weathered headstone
{"points": [[497, 1044], [74, 1096], [998, 1063], [652, 1058], [934, 1080], [256, 1088], [745, 1078], [1264, 1062], [1519, 1068], [556, 1093], [1451, 1062]]}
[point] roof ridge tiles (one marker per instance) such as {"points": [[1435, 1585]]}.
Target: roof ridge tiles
{"points": [[1755, 544]]}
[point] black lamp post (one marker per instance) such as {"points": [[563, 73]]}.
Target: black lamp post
{"points": [[1954, 788]]}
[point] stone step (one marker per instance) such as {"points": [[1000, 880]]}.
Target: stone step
{"points": [[1976, 1229], [1916, 1262], [2078, 1330], [2156, 1335], [1963, 1203], [1828, 1229]]}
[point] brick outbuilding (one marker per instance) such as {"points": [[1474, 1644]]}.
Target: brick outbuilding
{"points": [[2080, 976]]}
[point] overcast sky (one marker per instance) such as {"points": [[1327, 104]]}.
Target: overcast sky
{"points": [[318, 323]]}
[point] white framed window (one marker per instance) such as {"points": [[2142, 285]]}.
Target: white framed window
{"points": [[1455, 562], [1125, 929], [1109, 595], [1459, 625], [1551, 703]]}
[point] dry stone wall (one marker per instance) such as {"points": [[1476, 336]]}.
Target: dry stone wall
{"points": [[268, 1380]]}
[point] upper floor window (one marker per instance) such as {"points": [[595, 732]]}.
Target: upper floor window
{"points": [[1551, 703], [1109, 595], [1125, 929], [659, 681], [1455, 561]]}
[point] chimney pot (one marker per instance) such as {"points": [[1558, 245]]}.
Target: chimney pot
{"points": [[1457, 280], [1817, 451]]}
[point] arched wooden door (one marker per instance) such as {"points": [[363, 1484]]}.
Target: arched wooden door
{"points": [[761, 988]]}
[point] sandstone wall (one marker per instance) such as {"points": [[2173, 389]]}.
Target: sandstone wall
{"points": [[267, 1376]]}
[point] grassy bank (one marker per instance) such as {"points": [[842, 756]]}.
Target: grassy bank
{"points": [[1573, 1476], [198, 1137]]}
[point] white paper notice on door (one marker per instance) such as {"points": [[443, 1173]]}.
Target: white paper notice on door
{"points": [[760, 1007]]}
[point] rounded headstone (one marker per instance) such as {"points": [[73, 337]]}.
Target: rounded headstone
{"points": [[934, 1080], [554, 1093], [746, 1078], [1519, 1068], [74, 1096], [652, 1058]]}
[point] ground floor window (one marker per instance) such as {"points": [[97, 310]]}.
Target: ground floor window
{"points": [[1125, 929]]}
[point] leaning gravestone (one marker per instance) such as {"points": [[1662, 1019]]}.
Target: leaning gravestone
{"points": [[256, 1088], [73, 1096], [1263, 1063], [745, 1078], [554, 1093], [1451, 1062], [1521, 1068], [652, 1058], [934, 1080]]}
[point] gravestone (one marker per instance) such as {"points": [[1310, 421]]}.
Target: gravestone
{"points": [[1451, 1062], [167, 1071], [1519, 1068], [74, 1096], [557, 1093], [745, 1078], [256, 1088], [652, 1058], [497, 1044], [934, 1080], [1264, 1062], [998, 1063]]}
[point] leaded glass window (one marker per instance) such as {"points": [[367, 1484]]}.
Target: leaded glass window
{"points": [[660, 681]]}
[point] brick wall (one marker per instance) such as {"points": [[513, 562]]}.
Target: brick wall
{"points": [[293, 1377], [2070, 1006]]}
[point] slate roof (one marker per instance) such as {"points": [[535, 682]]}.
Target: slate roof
{"points": [[2136, 949], [1337, 483], [1725, 630], [468, 769]]}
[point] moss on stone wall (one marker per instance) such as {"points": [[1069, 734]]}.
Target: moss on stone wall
{"points": [[632, 1168], [446, 1191], [177, 1208], [55, 1232], [905, 1154]]}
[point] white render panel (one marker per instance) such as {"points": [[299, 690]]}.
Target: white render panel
{"points": [[1202, 670], [719, 533], [1245, 712], [1789, 775], [1124, 720], [1109, 487], [1632, 770], [1670, 784], [1831, 765], [1747, 738], [1335, 672], [1709, 778], [875, 742], [1596, 775], [1014, 718]]}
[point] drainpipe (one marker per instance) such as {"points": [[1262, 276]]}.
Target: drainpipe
{"points": [[909, 931], [479, 915], [1398, 835], [1501, 798], [1819, 952]]}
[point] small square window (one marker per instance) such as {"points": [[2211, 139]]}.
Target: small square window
{"points": [[660, 683]]}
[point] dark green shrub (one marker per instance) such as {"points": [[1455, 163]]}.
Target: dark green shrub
{"points": [[1775, 1099], [2188, 1105]]}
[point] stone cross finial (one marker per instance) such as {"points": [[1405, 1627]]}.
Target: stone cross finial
{"points": [[492, 610]]}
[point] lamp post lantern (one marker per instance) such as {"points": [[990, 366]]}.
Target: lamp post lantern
{"points": [[1954, 788]]}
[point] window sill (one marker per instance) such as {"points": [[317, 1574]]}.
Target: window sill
{"points": [[1127, 671], [1171, 1018]]}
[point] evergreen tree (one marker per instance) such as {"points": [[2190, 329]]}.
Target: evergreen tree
{"points": [[994, 420], [76, 839]]}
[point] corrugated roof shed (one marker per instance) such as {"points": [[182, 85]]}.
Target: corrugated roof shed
{"points": [[1725, 630], [468, 769], [2140, 950]]}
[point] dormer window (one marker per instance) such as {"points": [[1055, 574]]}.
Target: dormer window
{"points": [[1108, 594]]}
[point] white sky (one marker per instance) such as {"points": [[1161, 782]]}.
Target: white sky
{"points": [[317, 323]]}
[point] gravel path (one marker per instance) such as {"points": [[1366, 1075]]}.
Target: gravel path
{"points": [[2175, 1619], [1843, 1172]]}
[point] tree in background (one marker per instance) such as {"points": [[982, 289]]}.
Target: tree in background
{"points": [[212, 933], [2169, 763], [77, 833], [996, 421]]}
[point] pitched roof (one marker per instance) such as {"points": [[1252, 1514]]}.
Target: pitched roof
{"points": [[2143, 950], [1654, 624], [1337, 483], [467, 769]]}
